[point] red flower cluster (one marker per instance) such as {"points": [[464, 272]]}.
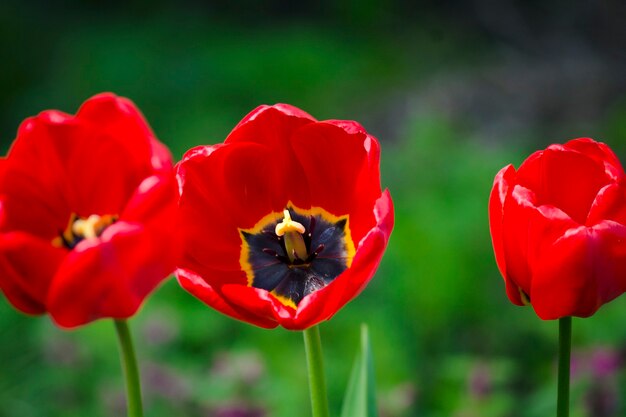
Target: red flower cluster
{"points": [[558, 226], [284, 222], [87, 204]]}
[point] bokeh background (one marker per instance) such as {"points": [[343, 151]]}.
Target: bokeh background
{"points": [[454, 90]]}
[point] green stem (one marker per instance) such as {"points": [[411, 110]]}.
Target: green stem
{"points": [[565, 344], [315, 364], [131, 372]]}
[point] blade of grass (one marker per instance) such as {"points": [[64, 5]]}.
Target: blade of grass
{"points": [[360, 398]]}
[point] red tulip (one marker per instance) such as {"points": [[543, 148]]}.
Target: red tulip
{"points": [[86, 209], [284, 222], [558, 227]]}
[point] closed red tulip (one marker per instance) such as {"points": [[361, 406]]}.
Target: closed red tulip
{"points": [[87, 208], [285, 222], [558, 227]]}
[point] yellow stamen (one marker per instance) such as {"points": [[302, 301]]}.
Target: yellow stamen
{"points": [[92, 226], [288, 225], [292, 232], [79, 229]]}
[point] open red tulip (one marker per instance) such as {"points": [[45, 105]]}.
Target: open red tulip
{"points": [[284, 222], [558, 227], [87, 208]]}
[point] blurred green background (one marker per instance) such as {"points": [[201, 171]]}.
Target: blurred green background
{"points": [[454, 90]]}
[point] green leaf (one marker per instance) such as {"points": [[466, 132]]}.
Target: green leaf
{"points": [[360, 399]]}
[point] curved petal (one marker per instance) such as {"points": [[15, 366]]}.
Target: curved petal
{"points": [[61, 160], [256, 306], [384, 214], [27, 265], [324, 303], [527, 229], [518, 208], [609, 204], [565, 179], [29, 214], [155, 200], [223, 188], [259, 112], [342, 171], [110, 276], [503, 181], [154, 206], [121, 121], [120, 143], [256, 302], [581, 271], [198, 287], [502, 187], [33, 187], [274, 126], [600, 153]]}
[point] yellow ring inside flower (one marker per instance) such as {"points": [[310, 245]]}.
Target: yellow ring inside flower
{"points": [[296, 252]]}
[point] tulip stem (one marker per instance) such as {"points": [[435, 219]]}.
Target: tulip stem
{"points": [[315, 364], [565, 344], [131, 371]]}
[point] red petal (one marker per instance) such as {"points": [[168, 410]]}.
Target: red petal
{"points": [[565, 179], [255, 303], [323, 304], [581, 271], [384, 214], [120, 120], [600, 153], [27, 265], [33, 186], [120, 143], [527, 229], [349, 126], [501, 185], [31, 215], [609, 204], [223, 188], [59, 160], [111, 276], [274, 127], [256, 306], [155, 200], [342, 172], [204, 292], [261, 112]]}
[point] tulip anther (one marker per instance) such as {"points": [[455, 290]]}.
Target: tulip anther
{"points": [[292, 232], [79, 229]]}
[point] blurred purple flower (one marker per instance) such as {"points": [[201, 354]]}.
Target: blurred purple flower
{"points": [[160, 329], [160, 381], [480, 381], [244, 367], [605, 361]]}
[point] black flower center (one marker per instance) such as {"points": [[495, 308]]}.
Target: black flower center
{"points": [[79, 229], [298, 254]]}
